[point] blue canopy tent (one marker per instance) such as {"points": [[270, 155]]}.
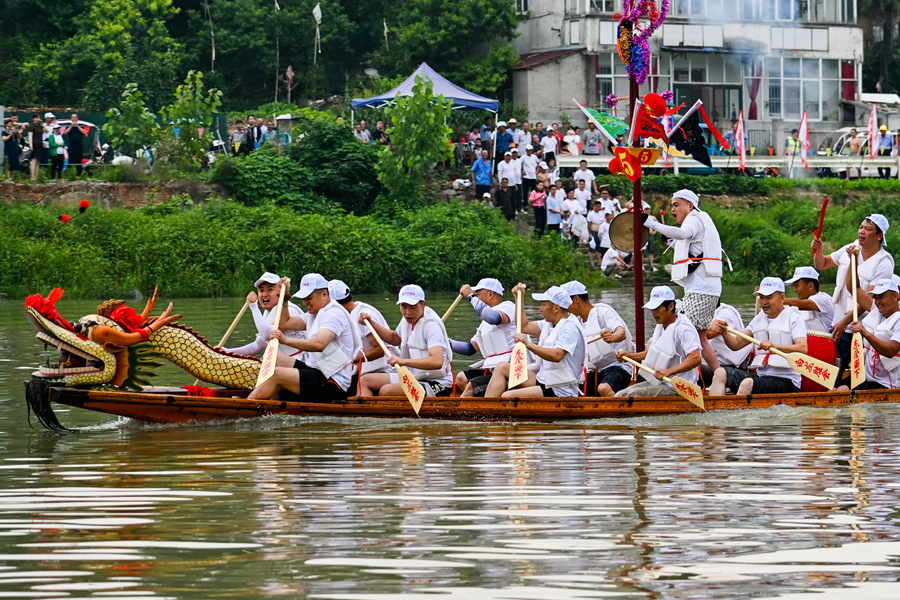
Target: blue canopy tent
{"points": [[462, 99]]}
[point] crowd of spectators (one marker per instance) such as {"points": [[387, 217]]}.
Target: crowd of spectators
{"points": [[44, 142]]}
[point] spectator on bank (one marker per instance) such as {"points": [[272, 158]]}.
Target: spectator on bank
{"points": [[587, 175], [56, 147], [34, 135], [380, 136], [254, 132], [487, 130], [542, 175], [240, 139], [572, 205], [613, 263], [553, 170], [550, 145], [513, 131], [591, 140], [573, 140], [270, 134], [506, 168], [539, 132], [537, 200], [362, 134], [554, 208], [530, 164], [536, 144], [523, 136], [503, 199], [518, 194], [10, 138], [792, 144], [502, 141], [885, 145], [474, 136], [620, 141], [731, 138], [49, 121], [583, 194], [76, 134], [481, 175]]}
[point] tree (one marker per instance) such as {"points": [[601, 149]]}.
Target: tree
{"points": [[187, 122], [420, 138], [882, 14], [131, 126]]}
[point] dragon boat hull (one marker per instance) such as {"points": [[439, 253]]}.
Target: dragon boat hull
{"points": [[173, 405]]}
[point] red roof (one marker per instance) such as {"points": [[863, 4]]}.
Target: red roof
{"points": [[529, 61]]}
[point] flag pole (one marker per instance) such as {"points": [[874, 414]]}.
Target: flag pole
{"points": [[637, 258]]}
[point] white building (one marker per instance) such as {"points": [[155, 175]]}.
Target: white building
{"points": [[773, 59]]}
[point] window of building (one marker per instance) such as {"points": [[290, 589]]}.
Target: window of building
{"points": [[522, 6], [574, 32], [814, 85], [611, 76], [772, 73], [605, 6]]}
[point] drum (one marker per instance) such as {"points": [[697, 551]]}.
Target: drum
{"points": [[821, 346]]}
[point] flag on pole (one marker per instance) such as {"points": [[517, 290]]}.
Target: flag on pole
{"points": [[803, 138], [872, 133], [688, 137], [597, 118], [317, 47], [648, 126], [290, 74], [739, 145], [386, 35]]}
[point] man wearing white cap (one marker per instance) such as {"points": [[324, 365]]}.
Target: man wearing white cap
{"points": [[517, 192], [586, 175], [494, 338], [727, 357], [486, 199], [881, 335], [561, 352], [874, 263], [674, 348], [269, 294], [555, 198], [697, 263], [583, 194], [605, 375], [530, 164], [548, 144], [816, 308], [371, 359], [331, 346], [778, 327], [424, 349], [506, 168]]}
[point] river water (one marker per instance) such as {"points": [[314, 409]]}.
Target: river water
{"points": [[763, 504]]}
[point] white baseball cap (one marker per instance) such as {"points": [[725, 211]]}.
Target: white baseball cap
{"points": [[660, 294], [501, 124], [267, 278], [556, 295], [896, 279], [486, 195], [542, 165], [338, 290], [644, 205], [769, 286], [514, 149], [310, 283], [574, 288], [489, 283], [529, 147], [689, 196], [802, 273], [883, 225], [507, 153], [882, 286], [410, 294], [49, 115]]}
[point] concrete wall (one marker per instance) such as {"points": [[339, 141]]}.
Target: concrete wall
{"points": [[107, 195], [548, 89]]}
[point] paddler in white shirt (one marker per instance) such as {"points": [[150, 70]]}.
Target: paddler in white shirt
{"points": [[697, 264], [494, 338], [605, 374], [777, 326], [727, 357], [816, 308], [332, 344], [371, 358], [673, 350], [881, 335], [874, 263], [268, 294], [424, 349], [561, 351]]}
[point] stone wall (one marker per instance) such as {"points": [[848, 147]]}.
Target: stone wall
{"points": [[107, 194]]}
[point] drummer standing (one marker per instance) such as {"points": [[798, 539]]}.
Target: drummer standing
{"points": [[697, 265], [816, 308], [874, 263]]}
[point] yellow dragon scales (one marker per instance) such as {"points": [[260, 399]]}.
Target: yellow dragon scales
{"points": [[118, 347]]}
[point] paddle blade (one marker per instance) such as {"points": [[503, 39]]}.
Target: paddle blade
{"points": [[817, 370], [689, 391], [267, 368], [414, 391], [857, 361], [518, 366]]}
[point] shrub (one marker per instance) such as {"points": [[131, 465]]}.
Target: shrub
{"points": [[261, 176]]}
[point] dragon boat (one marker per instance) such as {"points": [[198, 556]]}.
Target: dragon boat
{"points": [[107, 360]]}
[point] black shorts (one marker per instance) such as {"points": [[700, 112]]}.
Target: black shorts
{"points": [[547, 392], [479, 378], [615, 377], [315, 387], [870, 385], [762, 384]]}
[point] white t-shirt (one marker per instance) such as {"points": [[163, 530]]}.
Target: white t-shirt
{"points": [[571, 340], [597, 218], [572, 142], [798, 331], [609, 258], [518, 163], [507, 170], [605, 242], [879, 373], [697, 282], [826, 308], [584, 197], [548, 144], [585, 174], [529, 165], [611, 320], [686, 341], [522, 138], [434, 337], [885, 270], [338, 322], [573, 206]]}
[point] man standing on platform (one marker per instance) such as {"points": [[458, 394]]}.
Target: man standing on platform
{"points": [[697, 264]]}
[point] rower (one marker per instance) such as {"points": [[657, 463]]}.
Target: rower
{"points": [[371, 358], [874, 263], [268, 294], [605, 375], [727, 357], [331, 345], [881, 335], [493, 339], [816, 308], [561, 351], [697, 264], [424, 348], [673, 350], [778, 327]]}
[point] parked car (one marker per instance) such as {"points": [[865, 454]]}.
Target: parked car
{"points": [[837, 141]]}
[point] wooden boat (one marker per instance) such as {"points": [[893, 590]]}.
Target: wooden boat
{"points": [[174, 405]]}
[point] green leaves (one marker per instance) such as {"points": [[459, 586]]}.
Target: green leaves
{"points": [[131, 126], [191, 116]]}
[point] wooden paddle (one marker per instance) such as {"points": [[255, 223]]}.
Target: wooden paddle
{"points": [[687, 390], [818, 370], [230, 329], [267, 369], [452, 306], [413, 390], [857, 366], [818, 232], [518, 360]]}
